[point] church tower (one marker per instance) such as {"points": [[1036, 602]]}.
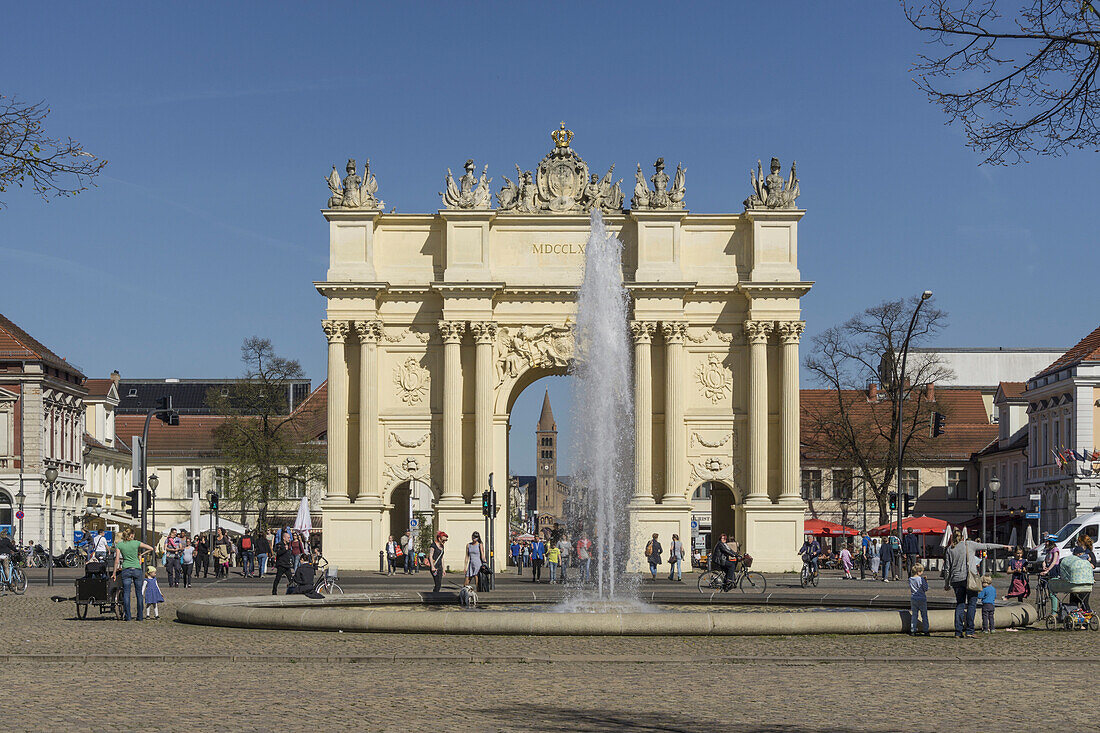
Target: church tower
{"points": [[548, 497]]}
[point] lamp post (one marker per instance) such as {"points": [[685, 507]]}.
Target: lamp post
{"points": [[900, 387], [51, 477], [153, 483], [994, 487], [21, 497]]}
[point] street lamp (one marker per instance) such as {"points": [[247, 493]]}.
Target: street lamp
{"points": [[900, 386], [994, 487], [153, 483], [21, 497], [51, 477]]}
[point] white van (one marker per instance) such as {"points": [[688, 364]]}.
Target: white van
{"points": [[1066, 539]]}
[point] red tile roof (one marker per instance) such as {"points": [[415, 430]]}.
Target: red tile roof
{"points": [[98, 387], [194, 436], [1087, 349], [15, 343], [314, 413], [968, 428], [1012, 390]]}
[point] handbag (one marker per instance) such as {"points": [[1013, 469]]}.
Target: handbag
{"points": [[973, 582]]}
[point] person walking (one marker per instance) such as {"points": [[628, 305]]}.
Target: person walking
{"points": [[516, 550], [284, 563], [172, 546], [408, 549], [886, 559], [391, 556], [846, 561], [296, 548], [960, 574], [675, 559], [918, 599], [911, 549], [263, 551], [873, 548], [202, 556], [584, 558], [128, 567], [895, 550], [653, 551], [526, 554], [100, 547], [187, 560], [865, 554], [435, 560], [538, 557], [565, 548], [553, 558], [248, 557], [475, 558]]}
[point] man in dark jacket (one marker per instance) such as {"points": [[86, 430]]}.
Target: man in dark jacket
{"points": [[304, 581], [725, 558], [886, 557], [911, 549], [284, 562]]}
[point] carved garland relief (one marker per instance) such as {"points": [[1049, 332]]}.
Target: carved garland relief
{"points": [[715, 379]]}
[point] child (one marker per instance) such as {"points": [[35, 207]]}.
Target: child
{"points": [[553, 557], [988, 598], [150, 591], [918, 599], [187, 562], [846, 562]]}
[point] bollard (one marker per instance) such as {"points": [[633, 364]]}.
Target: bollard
{"points": [[381, 561]]}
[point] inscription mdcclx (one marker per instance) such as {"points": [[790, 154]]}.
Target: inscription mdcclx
{"points": [[557, 248]]}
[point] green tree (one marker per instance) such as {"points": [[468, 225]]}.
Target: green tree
{"points": [[267, 447]]}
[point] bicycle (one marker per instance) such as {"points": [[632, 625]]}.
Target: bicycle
{"points": [[808, 576], [15, 579], [1042, 599], [713, 581], [327, 585]]}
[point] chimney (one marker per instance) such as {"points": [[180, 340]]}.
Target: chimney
{"points": [[930, 391], [872, 392], [116, 377]]}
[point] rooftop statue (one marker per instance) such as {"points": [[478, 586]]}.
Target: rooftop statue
{"points": [[661, 197], [353, 192], [471, 192], [772, 192], [562, 184]]}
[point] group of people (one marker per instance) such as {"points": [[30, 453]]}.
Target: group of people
{"points": [[884, 559], [557, 553]]}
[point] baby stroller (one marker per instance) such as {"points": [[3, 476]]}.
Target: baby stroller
{"points": [[1069, 594]]}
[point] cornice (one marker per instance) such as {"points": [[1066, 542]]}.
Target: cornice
{"points": [[370, 215], [673, 289], [338, 289], [777, 289]]}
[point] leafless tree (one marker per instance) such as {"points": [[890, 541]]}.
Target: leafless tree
{"points": [[267, 447], [856, 426], [1019, 75], [29, 156]]}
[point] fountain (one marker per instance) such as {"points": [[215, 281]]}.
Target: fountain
{"points": [[603, 411]]}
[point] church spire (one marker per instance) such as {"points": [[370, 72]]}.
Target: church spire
{"points": [[546, 419]]}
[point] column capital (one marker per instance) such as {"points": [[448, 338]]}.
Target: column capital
{"points": [[791, 331], [336, 331], [673, 331], [643, 331], [367, 331], [484, 331], [758, 331], [451, 331]]}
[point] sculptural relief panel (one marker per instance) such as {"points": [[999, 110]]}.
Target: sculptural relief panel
{"points": [[408, 383]]}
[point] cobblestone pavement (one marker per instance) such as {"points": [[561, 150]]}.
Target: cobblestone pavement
{"points": [[389, 681]]}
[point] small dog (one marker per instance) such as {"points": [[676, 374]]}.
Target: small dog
{"points": [[467, 597]]}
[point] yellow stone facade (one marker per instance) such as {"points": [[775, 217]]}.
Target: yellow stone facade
{"points": [[437, 322]]}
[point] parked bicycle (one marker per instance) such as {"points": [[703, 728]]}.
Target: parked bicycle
{"points": [[16, 582], [743, 580], [326, 582]]}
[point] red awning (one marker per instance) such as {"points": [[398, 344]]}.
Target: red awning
{"points": [[919, 525], [821, 528]]}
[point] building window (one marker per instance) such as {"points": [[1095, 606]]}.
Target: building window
{"points": [[910, 482], [811, 484], [1046, 444], [194, 482], [956, 484], [703, 492], [295, 487], [221, 481], [842, 484]]}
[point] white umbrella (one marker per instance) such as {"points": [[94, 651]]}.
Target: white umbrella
{"points": [[966, 535], [195, 512], [946, 536], [1029, 538], [1012, 537], [303, 522]]}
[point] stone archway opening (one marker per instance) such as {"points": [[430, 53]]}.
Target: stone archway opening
{"points": [[409, 500], [714, 513]]}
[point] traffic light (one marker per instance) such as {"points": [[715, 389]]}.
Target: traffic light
{"points": [[907, 505], [165, 413], [132, 503], [939, 421], [212, 497], [893, 501], [486, 503]]}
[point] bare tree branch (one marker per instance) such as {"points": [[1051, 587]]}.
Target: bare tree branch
{"points": [[1020, 76], [29, 156]]}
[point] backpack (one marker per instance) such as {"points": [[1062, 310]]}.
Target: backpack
{"points": [[246, 543], [649, 548]]}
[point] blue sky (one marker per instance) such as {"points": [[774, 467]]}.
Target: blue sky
{"points": [[220, 120]]}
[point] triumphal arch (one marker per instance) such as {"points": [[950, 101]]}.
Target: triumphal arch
{"points": [[436, 322]]}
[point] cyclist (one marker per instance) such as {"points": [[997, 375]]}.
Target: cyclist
{"points": [[7, 552], [811, 550], [726, 557]]}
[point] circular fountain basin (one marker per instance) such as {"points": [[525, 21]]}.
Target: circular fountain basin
{"points": [[371, 613]]}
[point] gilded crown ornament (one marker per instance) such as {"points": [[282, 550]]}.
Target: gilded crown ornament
{"points": [[562, 137]]}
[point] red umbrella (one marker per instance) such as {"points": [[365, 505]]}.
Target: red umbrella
{"points": [[821, 528], [919, 525]]}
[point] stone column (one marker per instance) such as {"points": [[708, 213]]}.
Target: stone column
{"points": [[674, 411], [338, 490], [369, 470], [758, 332], [790, 486], [484, 332], [451, 332], [643, 410]]}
